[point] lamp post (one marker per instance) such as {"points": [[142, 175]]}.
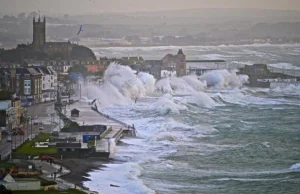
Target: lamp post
{"points": [[29, 118]]}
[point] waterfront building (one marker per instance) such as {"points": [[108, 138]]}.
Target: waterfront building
{"points": [[49, 83], [26, 83], [176, 63]]}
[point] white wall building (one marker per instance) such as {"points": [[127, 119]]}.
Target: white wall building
{"points": [[49, 83]]}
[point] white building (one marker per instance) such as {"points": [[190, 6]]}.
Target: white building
{"points": [[49, 83]]}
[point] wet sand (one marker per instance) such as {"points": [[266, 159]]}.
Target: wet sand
{"points": [[79, 169]]}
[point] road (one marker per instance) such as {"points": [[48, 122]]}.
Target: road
{"points": [[42, 112]]}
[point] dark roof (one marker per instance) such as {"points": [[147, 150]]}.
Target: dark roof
{"points": [[22, 71], [32, 71], [43, 70], [206, 61], [86, 128], [73, 110], [68, 145]]}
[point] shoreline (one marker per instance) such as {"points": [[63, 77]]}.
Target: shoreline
{"points": [[80, 169], [184, 45]]}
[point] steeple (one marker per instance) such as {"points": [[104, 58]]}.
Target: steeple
{"points": [[180, 52]]}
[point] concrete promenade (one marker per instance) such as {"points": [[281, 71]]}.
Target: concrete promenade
{"points": [[88, 116]]}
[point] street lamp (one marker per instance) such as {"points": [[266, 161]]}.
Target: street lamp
{"points": [[29, 118]]}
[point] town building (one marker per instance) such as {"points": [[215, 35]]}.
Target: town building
{"points": [[176, 63], [8, 115], [16, 102], [4, 78], [49, 83], [26, 83], [19, 184]]}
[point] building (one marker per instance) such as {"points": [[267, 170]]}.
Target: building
{"points": [[4, 78], [19, 109], [49, 83], [19, 184], [175, 63], [26, 83], [199, 67], [39, 44], [8, 115]]}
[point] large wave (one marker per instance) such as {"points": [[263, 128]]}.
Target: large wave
{"points": [[122, 85]]}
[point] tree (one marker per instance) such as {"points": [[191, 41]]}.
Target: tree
{"points": [[3, 190], [5, 95], [77, 68], [82, 52]]}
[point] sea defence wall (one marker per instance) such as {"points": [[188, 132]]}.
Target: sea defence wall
{"points": [[126, 126]]}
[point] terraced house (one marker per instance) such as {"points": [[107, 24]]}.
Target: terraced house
{"points": [[27, 84]]}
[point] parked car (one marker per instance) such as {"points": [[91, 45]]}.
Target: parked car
{"points": [[9, 138], [21, 132], [55, 134], [47, 158], [41, 128], [36, 122]]}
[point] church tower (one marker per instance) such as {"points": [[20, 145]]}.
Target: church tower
{"points": [[181, 67], [39, 34]]}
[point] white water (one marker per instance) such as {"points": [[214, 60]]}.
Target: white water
{"points": [[121, 87]]}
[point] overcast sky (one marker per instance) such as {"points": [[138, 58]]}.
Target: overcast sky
{"points": [[97, 6]]}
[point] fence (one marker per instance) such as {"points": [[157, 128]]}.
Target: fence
{"points": [[291, 72], [113, 119]]}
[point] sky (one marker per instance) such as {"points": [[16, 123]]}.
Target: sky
{"points": [[98, 6]]}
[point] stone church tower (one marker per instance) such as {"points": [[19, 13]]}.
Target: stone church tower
{"points": [[39, 34]]}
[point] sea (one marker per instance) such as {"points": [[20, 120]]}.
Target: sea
{"points": [[191, 138]]}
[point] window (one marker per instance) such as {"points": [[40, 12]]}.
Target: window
{"points": [[43, 86], [43, 78], [51, 77], [27, 87]]}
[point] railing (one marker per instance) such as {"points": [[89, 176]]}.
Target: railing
{"points": [[113, 119]]}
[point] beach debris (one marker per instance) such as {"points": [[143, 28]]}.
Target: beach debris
{"points": [[112, 185]]}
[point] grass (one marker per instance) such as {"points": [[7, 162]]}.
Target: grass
{"points": [[91, 143], [70, 191], [27, 148], [4, 164]]}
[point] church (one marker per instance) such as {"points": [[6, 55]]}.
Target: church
{"points": [[39, 44]]}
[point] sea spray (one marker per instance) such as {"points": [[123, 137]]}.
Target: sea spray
{"points": [[224, 78], [112, 147], [201, 99]]}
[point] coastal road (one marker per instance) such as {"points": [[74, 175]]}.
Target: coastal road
{"points": [[41, 112]]}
